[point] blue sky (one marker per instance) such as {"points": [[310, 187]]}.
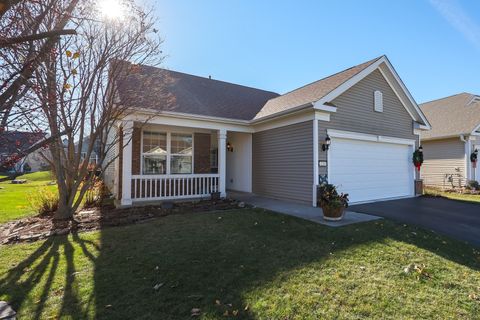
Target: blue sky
{"points": [[281, 45]]}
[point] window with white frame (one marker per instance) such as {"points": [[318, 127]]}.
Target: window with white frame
{"points": [[154, 153], [167, 153], [181, 153]]}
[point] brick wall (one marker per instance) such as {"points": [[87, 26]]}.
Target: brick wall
{"points": [[136, 145], [201, 153]]}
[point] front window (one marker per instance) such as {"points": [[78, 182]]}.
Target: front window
{"points": [[154, 153], [181, 153], [157, 154]]}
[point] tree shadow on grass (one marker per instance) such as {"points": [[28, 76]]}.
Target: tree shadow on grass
{"points": [[192, 260], [197, 259], [34, 280]]}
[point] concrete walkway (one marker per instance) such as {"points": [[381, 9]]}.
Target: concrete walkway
{"points": [[299, 210]]}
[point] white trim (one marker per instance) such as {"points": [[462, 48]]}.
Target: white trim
{"points": [[405, 90], [298, 117], [365, 72], [476, 171], [127, 163], [351, 135], [392, 140], [382, 199], [468, 150], [378, 101], [398, 95], [168, 136], [324, 107], [193, 122], [315, 162], [282, 113], [153, 112], [473, 100], [322, 116], [177, 176], [222, 161], [368, 137], [476, 131]]}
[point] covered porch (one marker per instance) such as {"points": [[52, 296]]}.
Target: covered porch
{"points": [[166, 159]]}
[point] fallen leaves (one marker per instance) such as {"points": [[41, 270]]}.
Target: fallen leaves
{"points": [[420, 270], [474, 297], [158, 286], [228, 309], [195, 312]]}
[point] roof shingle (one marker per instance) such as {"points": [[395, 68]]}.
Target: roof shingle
{"points": [[451, 116], [311, 92], [165, 90]]}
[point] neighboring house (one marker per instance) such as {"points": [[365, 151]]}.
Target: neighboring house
{"points": [[454, 136], [13, 142], [94, 155], [205, 135]]}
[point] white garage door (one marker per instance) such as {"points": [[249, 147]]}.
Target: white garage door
{"points": [[371, 170]]}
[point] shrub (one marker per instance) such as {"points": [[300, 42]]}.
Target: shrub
{"points": [[44, 202], [327, 195], [473, 185], [95, 194]]}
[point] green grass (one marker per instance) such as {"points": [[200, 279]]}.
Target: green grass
{"points": [[265, 265], [14, 198], [452, 195]]}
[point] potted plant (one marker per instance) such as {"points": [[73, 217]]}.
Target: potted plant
{"points": [[332, 203]]}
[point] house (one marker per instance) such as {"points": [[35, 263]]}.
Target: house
{"points": [[356, 129], [94, 154], [447, 148], [12, 145]]}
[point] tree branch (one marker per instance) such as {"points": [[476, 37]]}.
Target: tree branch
{"points": [[38, 36]]}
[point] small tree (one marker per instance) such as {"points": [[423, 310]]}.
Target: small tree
{"points": [[74, 89]]}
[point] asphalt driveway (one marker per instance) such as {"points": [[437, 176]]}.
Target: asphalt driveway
{"points": [[460, 220]]}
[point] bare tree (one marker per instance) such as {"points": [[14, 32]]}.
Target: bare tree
{"points": [[27, 36], [74, 89]]}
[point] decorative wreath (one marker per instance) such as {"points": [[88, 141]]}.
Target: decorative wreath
{"points": [[417, 159], [473, 157]]}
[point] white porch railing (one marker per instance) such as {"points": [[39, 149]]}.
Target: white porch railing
{"points": [[176, 186]]}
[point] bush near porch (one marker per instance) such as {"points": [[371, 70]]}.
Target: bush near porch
{"points": [[243, 264]]}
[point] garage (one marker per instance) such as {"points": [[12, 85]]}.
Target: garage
{"points": [[370, 167]]}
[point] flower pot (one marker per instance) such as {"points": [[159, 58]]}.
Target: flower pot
{"points": [[333, 213]]}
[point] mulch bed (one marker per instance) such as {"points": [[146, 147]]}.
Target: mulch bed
{"points": [[38, 227]]}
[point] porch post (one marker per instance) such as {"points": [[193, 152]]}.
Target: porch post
{"points": [[222, 161], [315, 161], [127, 164]]}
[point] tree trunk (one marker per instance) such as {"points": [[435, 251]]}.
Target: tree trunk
{"points": [[64, 211]]}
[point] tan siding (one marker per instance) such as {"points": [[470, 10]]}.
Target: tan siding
{"points": [[355, 112], [282, 162], [109, 170], [441, 158]]}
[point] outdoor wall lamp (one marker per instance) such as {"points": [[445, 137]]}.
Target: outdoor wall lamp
{"points": [[229, 147], [326, 144]]}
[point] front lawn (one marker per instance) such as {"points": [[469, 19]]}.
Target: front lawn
{"points": [[452, 195], [243, 264], [14, 198]]}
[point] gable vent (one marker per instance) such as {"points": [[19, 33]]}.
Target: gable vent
{"points": [[378, 101]]}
